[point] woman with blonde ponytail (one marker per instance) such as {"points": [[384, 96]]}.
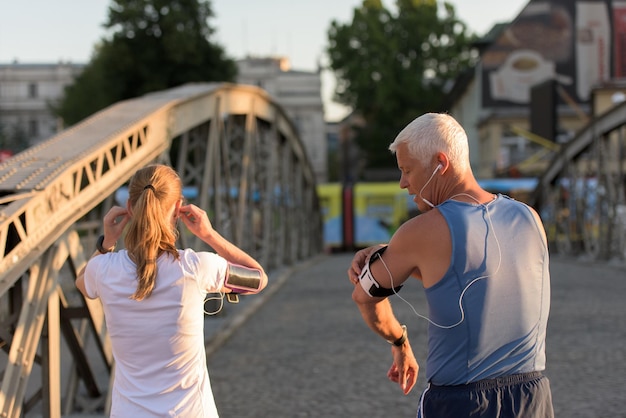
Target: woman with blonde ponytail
{"points": [[153, 297]]}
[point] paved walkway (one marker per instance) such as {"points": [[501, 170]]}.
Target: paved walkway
{"points": [[300, 349]]}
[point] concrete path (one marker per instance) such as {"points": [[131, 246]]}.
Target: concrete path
{"points": [[301, 349]]}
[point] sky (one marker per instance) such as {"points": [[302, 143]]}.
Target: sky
{"points": [[49, 31]]}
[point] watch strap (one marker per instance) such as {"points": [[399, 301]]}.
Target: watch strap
{"points": [[400, 341], [100, 248]]}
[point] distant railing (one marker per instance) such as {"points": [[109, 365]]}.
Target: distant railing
{"points": [[581, 195]]}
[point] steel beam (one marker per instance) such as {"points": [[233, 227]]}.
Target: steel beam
{"points": [[230, 140]]}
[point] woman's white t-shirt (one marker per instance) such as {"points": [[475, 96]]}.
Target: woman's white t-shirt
{"points": [[158, 342]]}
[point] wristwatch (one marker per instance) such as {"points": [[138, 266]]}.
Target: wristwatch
{"points": [[401, 340], [100, 248]]}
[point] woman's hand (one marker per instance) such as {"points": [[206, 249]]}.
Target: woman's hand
{"points": [[114, 222], [196, 220]]}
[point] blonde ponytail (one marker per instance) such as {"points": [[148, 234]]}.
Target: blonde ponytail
{"points": [[152, 193]]}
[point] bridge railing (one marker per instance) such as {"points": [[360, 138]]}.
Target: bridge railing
{"points": [[581, 196], [240, 158]]}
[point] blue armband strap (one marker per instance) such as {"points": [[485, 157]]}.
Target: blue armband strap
{"points": [[241, 279], [369, 283]]}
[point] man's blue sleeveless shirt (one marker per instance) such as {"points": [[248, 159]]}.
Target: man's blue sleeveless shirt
{"points": [[500, 260]]}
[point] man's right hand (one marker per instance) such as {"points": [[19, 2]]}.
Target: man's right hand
{"points": [[359, 260]]}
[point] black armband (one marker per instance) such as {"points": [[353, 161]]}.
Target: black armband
{"points": [[369, 283]]}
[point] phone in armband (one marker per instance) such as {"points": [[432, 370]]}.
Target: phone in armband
{"points": [[369, 283], [241, 279]]}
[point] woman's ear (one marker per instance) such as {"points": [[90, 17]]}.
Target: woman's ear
{"points": [[129, 208], [179, 203]]}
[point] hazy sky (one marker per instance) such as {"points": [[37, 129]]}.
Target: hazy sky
{"points": [[45, 31]]}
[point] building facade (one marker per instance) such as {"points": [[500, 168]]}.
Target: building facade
{"points": [[300, 94], [577, 46], [27, 92]]}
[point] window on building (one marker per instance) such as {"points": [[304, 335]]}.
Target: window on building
{"points": [[32, 90], [297, 121], [33, 128]]}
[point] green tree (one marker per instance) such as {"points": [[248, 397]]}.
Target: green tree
{"points": [[155, 45], [13, 138], [391, 67], [4, 138]]}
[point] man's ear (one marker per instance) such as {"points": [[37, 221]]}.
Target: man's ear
{"points": [[443, 161]]}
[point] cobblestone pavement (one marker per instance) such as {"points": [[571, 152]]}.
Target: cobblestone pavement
{"points": [[302, 350]]}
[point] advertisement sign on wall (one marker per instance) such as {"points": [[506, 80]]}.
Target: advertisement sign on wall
{"points": [[571, 42]]}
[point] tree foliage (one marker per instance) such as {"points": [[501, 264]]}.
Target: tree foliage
{"points": [[155, 45], [392, 67], [13, 138]]}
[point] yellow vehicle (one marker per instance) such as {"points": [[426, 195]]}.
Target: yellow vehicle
{"points": [[361, 215], [379, 209], [364, 214], [331, 203]]}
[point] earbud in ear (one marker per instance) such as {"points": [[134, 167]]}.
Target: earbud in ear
{"points": [[439, 167]]}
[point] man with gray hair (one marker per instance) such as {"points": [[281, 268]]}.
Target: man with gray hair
{"points": [[483, 262]]}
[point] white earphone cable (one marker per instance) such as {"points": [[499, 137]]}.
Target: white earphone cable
{"points": [[490, 225], [221, 305]]}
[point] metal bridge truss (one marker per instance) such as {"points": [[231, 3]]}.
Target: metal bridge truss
{"points": [[581, 196], [240, 159]]}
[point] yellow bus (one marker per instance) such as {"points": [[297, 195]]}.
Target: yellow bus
{"points": [[362, 215]]}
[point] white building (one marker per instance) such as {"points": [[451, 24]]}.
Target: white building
{"points": [[26, 93], [28, 90], [300, 94]]}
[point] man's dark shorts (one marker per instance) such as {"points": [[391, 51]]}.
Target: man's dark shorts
{"points": [[518, 396]]}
